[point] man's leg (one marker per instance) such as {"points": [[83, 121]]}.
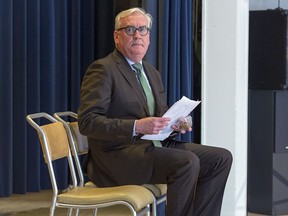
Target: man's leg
{"points": [[215, 164], [179, 170]]}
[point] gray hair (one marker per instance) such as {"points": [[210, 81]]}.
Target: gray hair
{"points": [[126, 13]]}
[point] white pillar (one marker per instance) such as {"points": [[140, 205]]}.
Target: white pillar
{"points": [[225, 91]]}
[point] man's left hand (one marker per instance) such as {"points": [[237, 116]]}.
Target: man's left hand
{"points": [[183, 125]]}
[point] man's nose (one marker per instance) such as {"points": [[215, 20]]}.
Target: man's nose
{"points": [[137, 33]]}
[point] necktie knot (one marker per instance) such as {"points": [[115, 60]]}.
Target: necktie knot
{"points": [[137, 67]]}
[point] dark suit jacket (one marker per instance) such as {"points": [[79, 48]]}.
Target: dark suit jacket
{"points": [[111, 100]]}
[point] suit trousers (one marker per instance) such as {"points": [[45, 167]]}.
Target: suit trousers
{"points": [[195, 175]]}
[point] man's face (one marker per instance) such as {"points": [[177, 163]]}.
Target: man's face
{"points": [[133, 47]]}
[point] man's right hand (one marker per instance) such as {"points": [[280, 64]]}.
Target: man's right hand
{"points": [[151, 125]]}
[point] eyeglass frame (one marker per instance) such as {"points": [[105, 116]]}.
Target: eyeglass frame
{"points": [[134, 30]]}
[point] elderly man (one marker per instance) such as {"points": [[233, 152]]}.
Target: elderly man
{"points": [[122, 99]]}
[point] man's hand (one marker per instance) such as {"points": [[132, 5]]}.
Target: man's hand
{"points": [[183, 125], [151, 125]]}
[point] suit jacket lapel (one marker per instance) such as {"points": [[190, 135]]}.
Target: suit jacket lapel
{"points": [[130, 76]]}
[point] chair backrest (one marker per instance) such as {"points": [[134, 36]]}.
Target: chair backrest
{"points": [[54, 143], [81, 142], [78, 142]]}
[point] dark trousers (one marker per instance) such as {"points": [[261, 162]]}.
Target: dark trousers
{"points": [[195, 174]]}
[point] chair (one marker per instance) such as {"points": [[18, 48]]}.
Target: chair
{"points": [[80, 146], [55, 145]]}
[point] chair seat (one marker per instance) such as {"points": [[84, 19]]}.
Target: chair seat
{"points": [[163, 188], [137, 196], [90, 184], [157, 189]]}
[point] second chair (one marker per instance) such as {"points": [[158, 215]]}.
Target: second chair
{"points": [[79, 145], [55, 145]]}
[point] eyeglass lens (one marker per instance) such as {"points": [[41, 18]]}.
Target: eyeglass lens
{"points": [[130, 30]]}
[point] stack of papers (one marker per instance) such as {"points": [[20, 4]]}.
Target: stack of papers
{"points": [[180, 109]]}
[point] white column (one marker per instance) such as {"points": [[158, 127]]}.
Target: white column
{"points": [[225, 91]]}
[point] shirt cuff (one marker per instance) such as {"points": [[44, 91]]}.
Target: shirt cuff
{"points": [[134, 129]]}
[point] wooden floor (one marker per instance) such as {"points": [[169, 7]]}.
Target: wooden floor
{"points": [[37, 204]]}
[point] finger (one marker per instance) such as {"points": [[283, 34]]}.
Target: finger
{"points": [[175, 128]]}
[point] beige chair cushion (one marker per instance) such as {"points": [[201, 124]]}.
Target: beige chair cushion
{"points": [[157, 189], [90, 184], [57, 140], [163, 188], [137, 196]]}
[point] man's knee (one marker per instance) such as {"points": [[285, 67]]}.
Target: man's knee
{"points": [[191, 162], [227, 156], [225, 159]]}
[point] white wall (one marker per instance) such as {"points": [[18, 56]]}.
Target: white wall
{"points": [[225, 91], [225, 30]]}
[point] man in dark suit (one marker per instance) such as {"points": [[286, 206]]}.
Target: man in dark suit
{"points": [[114, 114]]}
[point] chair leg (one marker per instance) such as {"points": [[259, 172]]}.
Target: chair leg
{"points": [[154, 207], [70, 212], [148, 213], [53, 206], [52, 210], [95, 212], [77, 212]]}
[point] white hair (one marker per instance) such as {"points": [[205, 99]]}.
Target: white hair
{"points": [[126, 13]]}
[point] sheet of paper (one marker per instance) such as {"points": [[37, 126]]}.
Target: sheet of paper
{"points": [[180, 109]]}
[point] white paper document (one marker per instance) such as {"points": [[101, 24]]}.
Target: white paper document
{"points": [[180, 109]]}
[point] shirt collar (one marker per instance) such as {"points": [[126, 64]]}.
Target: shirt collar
{"points": [[131, 62]]}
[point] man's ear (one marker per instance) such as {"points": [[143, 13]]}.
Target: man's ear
{"points": [[116, 36]]}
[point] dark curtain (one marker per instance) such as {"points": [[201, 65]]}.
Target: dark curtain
{"points": [[45, 48], [171, 48]]}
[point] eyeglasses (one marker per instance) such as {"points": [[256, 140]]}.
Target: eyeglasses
{"points": [[130, 30]]}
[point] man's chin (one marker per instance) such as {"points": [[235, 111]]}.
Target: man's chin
{"points": [[138, 51], [136, 56]]}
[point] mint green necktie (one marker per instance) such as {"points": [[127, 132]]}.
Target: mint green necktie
{"points": [[148, 94], [146, 88]]}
